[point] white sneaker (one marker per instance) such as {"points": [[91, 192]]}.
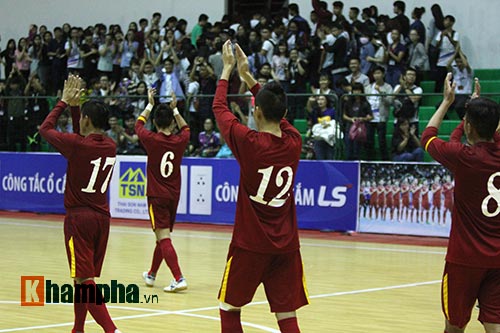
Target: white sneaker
{"points": [[176, 286], [117, 331], [148, 279]]}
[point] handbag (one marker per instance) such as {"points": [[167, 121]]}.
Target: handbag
{"points": [[357, 132]]}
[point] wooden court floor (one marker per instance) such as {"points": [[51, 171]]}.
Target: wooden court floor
{"points": [[353, 286]]}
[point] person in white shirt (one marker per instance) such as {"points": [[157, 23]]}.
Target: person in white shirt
{"points": [[356, 75], [447, 42], [463, 76]]}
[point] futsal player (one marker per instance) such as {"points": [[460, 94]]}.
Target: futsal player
{"points": [[91, 157], [472, 269], [265, 243], [165, 150]]}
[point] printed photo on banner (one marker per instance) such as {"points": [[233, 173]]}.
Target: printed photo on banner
{"points": [[405, 198]]}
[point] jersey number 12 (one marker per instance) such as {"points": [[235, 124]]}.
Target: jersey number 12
{"points": [[279, 200]]}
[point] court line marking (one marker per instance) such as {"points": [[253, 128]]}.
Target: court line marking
{"points": [[188, 312], [187, 235]]}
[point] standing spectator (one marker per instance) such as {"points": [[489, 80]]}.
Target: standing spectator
{"points": [[252, 252], [417, 57], [297, 77], [295, 38], [45, 63], [322, 115], [369, 22], [409, 97], [462, 76], [128, 50], [115, 130], [169, 83], [268, 44], [208, 85], [417, 24], [356, 109], [301, 23], [473, 256], [129, 141], [16, 123], [356, 74], [139, 99], [338, 18], [91, 158], [208, 140], [327, 51], [436, 24], [90, 56], [401, 20], [280, 65], [35, 54], [8, 56], [72, 47], [37, 108], [23, 60], [198, 29], [405, 143], [447, 42], [321, 12], [180, 30], [256, 59], [117, 70], [339, 48], [57, 51], [215, 60], [107, 53], [396, 54], [379, 59], [380, 104], [165, 150], [366, 51], [63, 125]]}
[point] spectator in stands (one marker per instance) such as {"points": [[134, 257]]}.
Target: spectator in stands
{"points": [[401, 20], [90, 56], [8, 57], [405, 143], [16, 125], [115, 130], [35, 53], [107, 52], [321, 112], [295, 38], [356, 109], [447, 42], [280, 65], [74, 61], [436, 24], [356, 74], [417, 56], [322, 13], [215, 60], [198, 29], [45, 63], [37, 108], [128, 50], [407, 103], [368, 21], [57, 51], [380, 103], [169, 83], [366, 50], [207, 80], [63, 124], [208, 140], [268, 44], [23, 60], [417, 24], [339, 18], [129, 141], [463, 76], [301, 23], [139, 100], [339, 48], [327, 54], [396, 54], [325, 88], [297, 77], [379, 59]]}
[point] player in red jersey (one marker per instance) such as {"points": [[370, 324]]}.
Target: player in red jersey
{"points": [[165, 150], [448, 198], [396, 201], [91, 157], [373, 200], [265, 243], [416, 190], [388, 200], [405, 201], [472, 269], [437, 190], [381, 200], [425, 203]]}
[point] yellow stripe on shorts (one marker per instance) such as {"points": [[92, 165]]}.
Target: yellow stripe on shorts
{"points": [[152, 216], [73, 259], [304, 283], [429, 141], [223, 288], [445, 296]]}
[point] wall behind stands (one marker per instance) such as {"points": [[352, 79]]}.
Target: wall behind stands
{"points": [[476, 22]]}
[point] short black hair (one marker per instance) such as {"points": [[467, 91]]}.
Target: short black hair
{"points": [[355, 9], [98, 113], [155, 14], [450, 17], [272, 101], [203, 17], [294, 7], [484, 115], [379, 68], [338, 4], [400, 5], [163, 116], [411, 69]]}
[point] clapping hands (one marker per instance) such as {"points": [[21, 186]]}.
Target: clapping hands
{"points": [[72, 90]]}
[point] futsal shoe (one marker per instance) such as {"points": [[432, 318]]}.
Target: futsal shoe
{"points": [[148, 279], [176, 286]]}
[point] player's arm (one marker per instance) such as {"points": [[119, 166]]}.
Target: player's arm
{"points": [[457, 134], [181, 122], [244, 70], [71, 96], [140, 130]]}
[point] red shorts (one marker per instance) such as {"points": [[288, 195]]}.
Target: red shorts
{"points": [[162, 212], [281, 274], [462, 285], [86, 237]]}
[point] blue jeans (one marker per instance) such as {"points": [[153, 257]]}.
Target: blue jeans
{"points": [[323, 150], [417, 155]]}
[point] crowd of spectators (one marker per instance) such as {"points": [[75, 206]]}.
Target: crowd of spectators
{"points": [[329, 55]]}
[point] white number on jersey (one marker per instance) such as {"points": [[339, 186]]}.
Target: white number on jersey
{"points": [[166, 165], [110, 161], [280, 199], [494, 193]]}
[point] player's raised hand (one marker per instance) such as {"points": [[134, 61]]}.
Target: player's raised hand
{"points": [[242, 60], [227, 55], [151, 96], [449, 89], [477, 89], [173, 102], [72, 90]]}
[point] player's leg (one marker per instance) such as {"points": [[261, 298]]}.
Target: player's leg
{"points": [[150, 275], [170, 256], [459, 291], [489, 298], [285, 288], [242, 276]]}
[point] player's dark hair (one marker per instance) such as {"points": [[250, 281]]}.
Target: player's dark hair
{"points": [[97, 112], [272, 101], [484, 115], [163, 116]]}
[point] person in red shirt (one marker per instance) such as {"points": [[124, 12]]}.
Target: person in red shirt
{"points": [[472, 269], [265, 244], [165, 150], [91, 157], [437, 191]]}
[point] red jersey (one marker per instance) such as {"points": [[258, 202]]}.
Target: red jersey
{"points": [[475, 230], [436, 195], [266, 219], [164, 160], [405, 195], [448, 195], [90, 161]]}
